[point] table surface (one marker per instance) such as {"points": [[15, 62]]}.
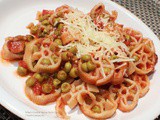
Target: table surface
{"points": [[147, 10]]}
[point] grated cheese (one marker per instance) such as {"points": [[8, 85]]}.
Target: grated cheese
{"points": [[90, 39]]}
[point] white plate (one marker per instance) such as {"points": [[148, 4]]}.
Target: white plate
{"points": [[16, 14]]}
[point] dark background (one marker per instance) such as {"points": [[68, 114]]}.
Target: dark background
{"points": [[147, 10]]}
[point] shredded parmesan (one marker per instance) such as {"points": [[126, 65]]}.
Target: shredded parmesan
{"points": [[89, 39]]}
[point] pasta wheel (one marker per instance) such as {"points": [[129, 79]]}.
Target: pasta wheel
{"points": [[13, 47], [114, 92], [143, 83], [42, 56], [120, 70], [145, 57], [41, 99], [70, 98], [97, 77], [96, 106], [128, 95]]}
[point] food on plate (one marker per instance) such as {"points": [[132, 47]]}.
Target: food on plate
{"points": [[86, 60]]}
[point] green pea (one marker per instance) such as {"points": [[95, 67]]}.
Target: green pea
{"points": [[54, 58], [29, 37], [127, 37], [44, 17], [45, 31], [35, 49], [65, 87], [73, 50], [60, 26], [106, 70], [58, 41], [46, 88], [86, 58], [96, 109], [22, 71], [41, 19], [30, 82], [84, 67], [64, 56], [136, 58], [56, 20], [91, 66], [34, 29], [113, 57], [73, 73], [38, 77], [46, 61], [62, 75], [67, 67], [57, 32], [45, 22], [45, 76], [56, 82]]}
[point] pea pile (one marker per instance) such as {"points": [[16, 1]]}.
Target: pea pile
{"points": [[48, 82], [59, 79]]}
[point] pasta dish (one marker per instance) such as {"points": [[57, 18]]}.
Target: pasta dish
{"points": [[85, 60]]}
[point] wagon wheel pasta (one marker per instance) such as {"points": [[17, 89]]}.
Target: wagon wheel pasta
{"points": [[145, 58], [41, 56], [143, 83], [88, 61], [41, 99], [129, 95], [40, 89], [96, 106]]}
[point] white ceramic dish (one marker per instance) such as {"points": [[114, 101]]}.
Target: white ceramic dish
{"points": [[16, 14]]}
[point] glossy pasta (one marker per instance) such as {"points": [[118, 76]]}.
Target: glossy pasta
{"points": [[85, 60]]}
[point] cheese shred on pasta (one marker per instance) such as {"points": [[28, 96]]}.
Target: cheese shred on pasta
{"points": [[89, 39]]}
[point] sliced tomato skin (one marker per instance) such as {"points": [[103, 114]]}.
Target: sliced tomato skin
{"points": [[16, 46], [44, 12], [37, 89], [127, 43]]}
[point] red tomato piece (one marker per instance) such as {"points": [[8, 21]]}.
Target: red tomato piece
{"points": [[22, 64], [44, 12], [16, 46], [37, 89], [127, 43], [46, 53]]}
